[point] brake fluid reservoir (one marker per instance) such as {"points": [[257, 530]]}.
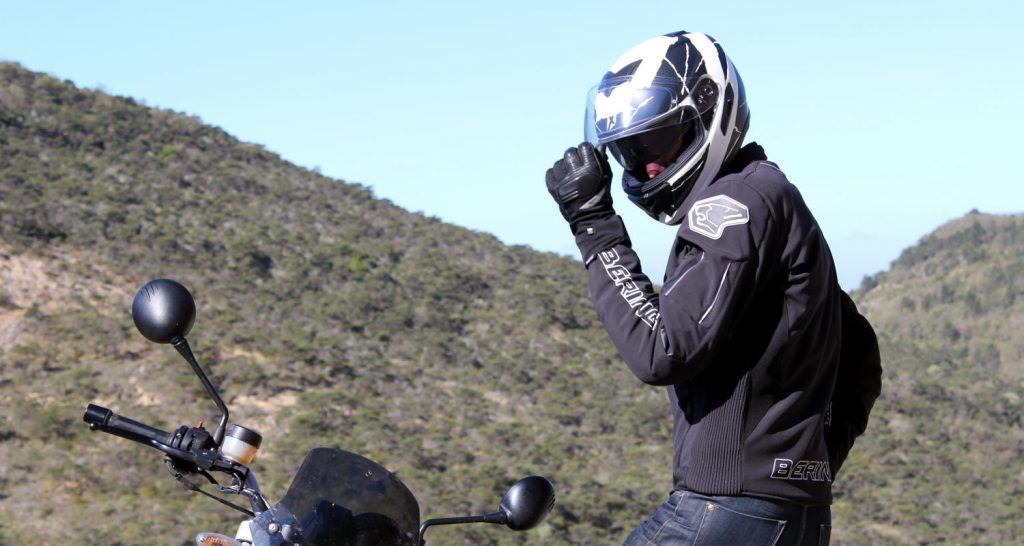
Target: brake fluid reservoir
{"points": [[240, 444]]}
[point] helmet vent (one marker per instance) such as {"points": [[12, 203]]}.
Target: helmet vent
{"points": [[727, 114]]}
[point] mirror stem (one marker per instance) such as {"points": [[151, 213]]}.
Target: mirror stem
{"points": [[183, 348], [500, 518]]}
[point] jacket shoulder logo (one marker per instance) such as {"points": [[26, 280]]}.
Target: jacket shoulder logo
{"points": [[711, 216]]}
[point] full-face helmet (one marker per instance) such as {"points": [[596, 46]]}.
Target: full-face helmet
{"points": [[675, 100]]}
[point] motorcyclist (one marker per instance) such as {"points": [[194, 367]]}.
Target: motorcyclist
{"points": [[750, 329]]}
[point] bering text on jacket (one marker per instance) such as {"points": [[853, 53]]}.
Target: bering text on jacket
{"points": [[634, 296]]}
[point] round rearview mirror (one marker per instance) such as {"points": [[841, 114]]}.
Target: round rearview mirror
{"points": [[528, 502], [163, 311]]}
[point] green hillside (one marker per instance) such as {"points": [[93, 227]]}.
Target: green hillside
{"points": [[328, 316], [325, 315], [943, 460]]}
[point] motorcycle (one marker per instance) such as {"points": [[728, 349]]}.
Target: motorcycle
{"points": [[336, 498]]}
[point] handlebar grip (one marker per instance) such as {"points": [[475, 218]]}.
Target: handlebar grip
{"points": [[105, 420]]}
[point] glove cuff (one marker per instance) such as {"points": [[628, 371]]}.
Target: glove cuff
{"points": [[599, 234]]}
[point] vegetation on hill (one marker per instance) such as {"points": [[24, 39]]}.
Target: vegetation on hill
{"points": [[327, 317], [942, 459], [330, 317]]}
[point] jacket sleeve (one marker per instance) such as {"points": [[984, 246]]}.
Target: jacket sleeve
{"points": [[858, 384], [671, 337]]}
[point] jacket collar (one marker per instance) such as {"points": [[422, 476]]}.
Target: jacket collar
{"points": [[745, 156]]}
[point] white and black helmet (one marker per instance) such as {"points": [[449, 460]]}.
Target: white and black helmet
{"points": [[677, 91]]}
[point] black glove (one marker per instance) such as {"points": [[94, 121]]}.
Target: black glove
{"points": [[580, 184]]}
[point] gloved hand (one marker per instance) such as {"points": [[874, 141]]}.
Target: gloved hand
{"points": [[580, 184]]}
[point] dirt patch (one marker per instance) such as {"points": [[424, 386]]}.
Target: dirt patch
{"points": [[10, 322], [238, 352], [51, 280], [270, 404], [55, 276], [260, 413]]}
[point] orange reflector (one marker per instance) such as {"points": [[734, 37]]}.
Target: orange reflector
{"points": [[215, 540]]}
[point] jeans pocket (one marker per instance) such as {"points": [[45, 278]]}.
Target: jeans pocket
{"points": [[723, 525], [824, 534], [675, 522], [687, 513]]}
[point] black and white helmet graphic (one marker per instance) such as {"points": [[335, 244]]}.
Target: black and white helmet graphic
{"points": [[676, 101]]}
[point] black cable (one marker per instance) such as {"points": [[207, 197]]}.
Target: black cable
{"points": [[249, 513], [180, 477]]}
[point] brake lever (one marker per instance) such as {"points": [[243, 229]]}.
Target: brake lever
{"points": [[180, 470], [193, 451], [180, 476]]}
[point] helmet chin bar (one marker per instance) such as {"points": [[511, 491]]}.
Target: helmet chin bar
{"points": [[666, 196]]}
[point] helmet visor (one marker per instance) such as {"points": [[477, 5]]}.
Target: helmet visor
{"points": [[659, 145], [622, 106]]}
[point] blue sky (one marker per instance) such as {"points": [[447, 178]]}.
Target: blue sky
{"points": [[891, 117]]}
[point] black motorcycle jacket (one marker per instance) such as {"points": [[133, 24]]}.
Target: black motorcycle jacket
{"points": [[745, 334]]}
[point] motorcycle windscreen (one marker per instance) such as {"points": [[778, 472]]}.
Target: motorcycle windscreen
{"points": [[344, 499]]}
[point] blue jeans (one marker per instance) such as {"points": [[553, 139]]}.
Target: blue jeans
{"points": [[689, 518]]}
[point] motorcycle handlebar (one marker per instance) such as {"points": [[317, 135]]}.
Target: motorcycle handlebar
{"points": [[105, 420]]}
